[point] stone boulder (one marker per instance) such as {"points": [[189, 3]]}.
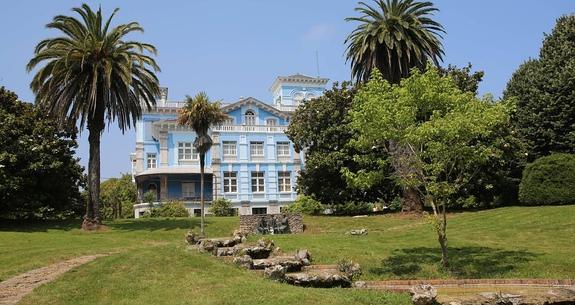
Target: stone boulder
{"points": [[192, 238], [289, 263], [322, 280], [357, 232], [225, 251], [304, 256], [266, 243], [256, 252], [239, 236], [423, 295], [207, 245], [244, 261], [276, 273], [359, 284], [349, 268]]}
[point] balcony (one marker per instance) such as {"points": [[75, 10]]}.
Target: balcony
{"points": [[249, 128]]}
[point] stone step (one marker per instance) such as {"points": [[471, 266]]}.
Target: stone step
{"points": [[289, 262], [331, 268], [318, 278]]}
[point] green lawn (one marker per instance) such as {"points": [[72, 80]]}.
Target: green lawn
{"points": [[150, 264]]}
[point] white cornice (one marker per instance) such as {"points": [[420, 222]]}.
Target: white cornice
{"points": [[298, 79]]}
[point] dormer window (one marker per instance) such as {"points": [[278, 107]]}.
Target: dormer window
{"points": [[250, 118]]}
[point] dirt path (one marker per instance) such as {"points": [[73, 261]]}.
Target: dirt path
{"points": [[14, 289]]}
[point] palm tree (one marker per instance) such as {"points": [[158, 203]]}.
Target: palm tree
{"points": [[200, 114], [393, 37], [93, 75]]}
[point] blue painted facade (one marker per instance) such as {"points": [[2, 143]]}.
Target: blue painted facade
{"points": [[252, 162]]}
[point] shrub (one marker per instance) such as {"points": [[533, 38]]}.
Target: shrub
{"points": [[168, 209], [305, 205], [549, 180], [150, 196], [352, 208], [221, 207]]}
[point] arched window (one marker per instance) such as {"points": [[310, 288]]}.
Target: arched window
{"points": [[250, 118]]}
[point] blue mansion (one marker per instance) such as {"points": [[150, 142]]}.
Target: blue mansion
{"points": [[252, 162]]}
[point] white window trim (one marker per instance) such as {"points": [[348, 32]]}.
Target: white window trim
{"points": [[230, 185], [193, 149], [263, 184], [148, 158], [235, 145], [278, 150], [263, 144], [289, 186]]}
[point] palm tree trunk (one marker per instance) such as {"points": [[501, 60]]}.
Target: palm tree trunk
{"points": [[92, 217], [402, 163], [202, 163]]}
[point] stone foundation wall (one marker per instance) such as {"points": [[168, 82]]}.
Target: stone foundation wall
{"points": [[249, 223]]}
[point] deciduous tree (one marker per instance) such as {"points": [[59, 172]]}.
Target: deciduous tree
{"points": [[446, 131]]}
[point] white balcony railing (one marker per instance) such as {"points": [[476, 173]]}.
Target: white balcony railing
{"points": [[249, 128]]}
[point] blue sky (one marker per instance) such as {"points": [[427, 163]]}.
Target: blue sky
{"points": [[236, 48]]}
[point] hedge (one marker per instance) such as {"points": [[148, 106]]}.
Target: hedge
{"points": [[549, 180]]}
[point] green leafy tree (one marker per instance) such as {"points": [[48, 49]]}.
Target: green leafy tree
{"points": [[464, 79], [444, 129], [545, 93], [221, 207], [393, 36], [199, 114], [39, 175], [118, 196], [94, 74], [319, 128]]}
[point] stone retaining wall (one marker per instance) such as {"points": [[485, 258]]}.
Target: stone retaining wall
{"points": [[249, 223]]}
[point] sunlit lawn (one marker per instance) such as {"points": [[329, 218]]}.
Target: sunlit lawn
{"points": [[149, 263]]}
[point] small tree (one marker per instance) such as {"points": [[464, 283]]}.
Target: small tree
{"points": [[118, 196], [200, 114], [443, 128], [221, 207]]}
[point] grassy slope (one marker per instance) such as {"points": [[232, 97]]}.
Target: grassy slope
{"points": [[152, 265]]}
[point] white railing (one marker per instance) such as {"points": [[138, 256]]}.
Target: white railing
{"points": [[249, 128], [289, 108]]}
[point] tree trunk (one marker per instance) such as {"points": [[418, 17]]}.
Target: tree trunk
{"points": [[411, 202], [92, 218], [202, 163], [442, 236], [402, 162]]}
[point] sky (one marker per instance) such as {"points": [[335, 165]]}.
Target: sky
{"points": [[233, 49]]}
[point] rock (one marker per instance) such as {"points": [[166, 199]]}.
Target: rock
{"points": [[244, 261], [256, 252], [423, 294], [349, 268], [239, 236], [266, 243], [326, 280], [276, 273], [191, 238], [357, 232], [207, 245], [304, 256], [289, 263], [225, 251], [359, 284]]}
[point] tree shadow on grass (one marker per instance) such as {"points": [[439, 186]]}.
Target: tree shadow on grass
{"points": [[465, 262], [155, 224], [36, 225], [145, 224]]}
